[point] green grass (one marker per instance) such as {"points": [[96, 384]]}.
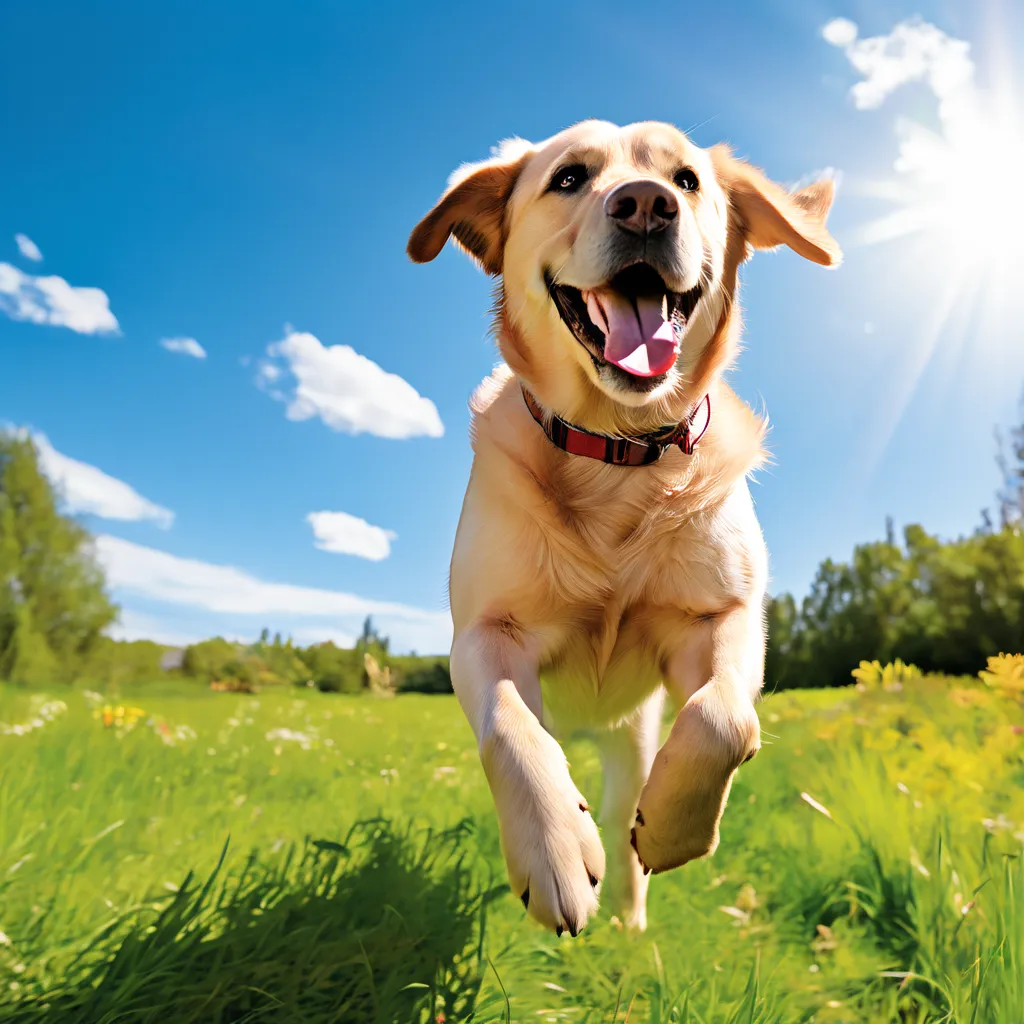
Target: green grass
{"points": [[204, 865]]}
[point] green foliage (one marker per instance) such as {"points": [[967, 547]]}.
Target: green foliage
{"points": [[944, 607], [371, 640], [121, 662], [231, 666], [339, 670], [26, 658], [280, 663], [412, 674], [206, 660], [53, 607], [334, 669]]}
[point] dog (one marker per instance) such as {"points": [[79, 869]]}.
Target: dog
{"points": [[608, 550]]}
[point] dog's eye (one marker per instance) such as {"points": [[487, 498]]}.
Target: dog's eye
{"points": [[568, 179], [686, 180]]}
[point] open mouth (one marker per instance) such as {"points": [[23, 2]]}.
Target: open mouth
{"points": [[633, 322]]}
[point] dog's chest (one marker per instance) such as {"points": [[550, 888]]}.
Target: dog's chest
{"points": [[656, 550], [648, 578]]}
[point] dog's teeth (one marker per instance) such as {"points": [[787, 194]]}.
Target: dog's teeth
{"points": [[664, 307]]}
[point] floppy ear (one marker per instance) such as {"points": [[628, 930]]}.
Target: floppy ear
{"points": [[472, 210], [771, 216]]}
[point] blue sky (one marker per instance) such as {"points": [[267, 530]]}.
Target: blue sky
{"points": [[239, 176]]}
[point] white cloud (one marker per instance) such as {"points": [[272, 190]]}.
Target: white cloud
{"points": [[349, 392], [307, 635], [184, 346], [28, 248], [839, 32], [133, 625], [51, 300], [343, 534], [175, 631], [915, 51], [138, 573], [86, 489]]}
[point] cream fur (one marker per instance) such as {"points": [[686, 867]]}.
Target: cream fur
{"points": [[582, 592]]}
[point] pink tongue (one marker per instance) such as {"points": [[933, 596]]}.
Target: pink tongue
{"points": [[641, 341]]}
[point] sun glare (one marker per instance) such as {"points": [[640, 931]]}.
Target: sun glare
{"points": [[953, 219], [963, 192]]}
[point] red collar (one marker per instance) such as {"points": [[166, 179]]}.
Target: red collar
{"points": [[623, 451]]}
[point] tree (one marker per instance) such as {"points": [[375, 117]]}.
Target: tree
{"points": [[53, 606], [26, 658], [1011, 465], [334, 669], [371, 640], [943, 606]]}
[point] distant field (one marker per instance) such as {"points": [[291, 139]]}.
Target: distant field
{"points": [[906, 904]]}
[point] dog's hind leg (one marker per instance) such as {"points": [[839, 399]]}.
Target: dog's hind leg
{"points": [[552, 847], [627, 752]]}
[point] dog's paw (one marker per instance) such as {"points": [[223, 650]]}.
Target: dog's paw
{"points": [[551, 844], [557, 871], [678, 823], [666, 838], [685, 794]]}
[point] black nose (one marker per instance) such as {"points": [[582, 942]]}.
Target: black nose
{"points": [[641, 207]]}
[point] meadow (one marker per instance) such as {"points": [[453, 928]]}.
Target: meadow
{"points": [[171, 854]]}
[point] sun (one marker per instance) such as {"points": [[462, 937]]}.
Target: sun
{"points": [[962, 190]]}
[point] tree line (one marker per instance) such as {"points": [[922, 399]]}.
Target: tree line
{"points": [[945, 606], [54, 609]]}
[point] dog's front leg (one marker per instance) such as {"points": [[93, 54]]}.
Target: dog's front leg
{"points": [[552, 848], [717, 670]]}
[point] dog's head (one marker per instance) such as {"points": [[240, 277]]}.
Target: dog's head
{"points": [[618, 250]]}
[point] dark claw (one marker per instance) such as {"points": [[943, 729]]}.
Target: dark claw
{"points": [[584, 808], [526, 899], [574, 929], [632, 842], [559, 930], [749, 756], [593, 880], [639, 817]]}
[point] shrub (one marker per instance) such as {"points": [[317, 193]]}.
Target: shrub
{"points": [[1005, 674], [210, 659], [334, 669], [414, 674], [872, 675]]}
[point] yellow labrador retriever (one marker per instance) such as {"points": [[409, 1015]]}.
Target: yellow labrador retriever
{"points": [[608, 548]]}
